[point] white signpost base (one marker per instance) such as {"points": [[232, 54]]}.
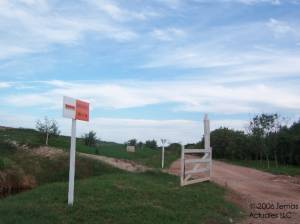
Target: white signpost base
{"points": [[72, 164]]}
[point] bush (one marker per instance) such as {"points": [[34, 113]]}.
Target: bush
{"points": [[90, 139], [151, 144]]}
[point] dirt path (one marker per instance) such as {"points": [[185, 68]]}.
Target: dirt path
{"points": [[122, 164], [252, 187]]}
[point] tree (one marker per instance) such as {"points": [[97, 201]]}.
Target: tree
{"points": [[174, 147], [140, 145], [47, 128], [90, 139], [261, 126], [151, 144], [132, 142]]}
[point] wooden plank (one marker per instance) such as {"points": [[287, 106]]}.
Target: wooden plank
{"points": [[196, 151], [195, 181], [197, 171], [197, 161]]}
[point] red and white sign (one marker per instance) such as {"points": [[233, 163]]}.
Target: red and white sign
{"points": [[75, 109]]}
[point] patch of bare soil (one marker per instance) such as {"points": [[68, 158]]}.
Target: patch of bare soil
{"points": [[12, 182], [267, 198], [122, 164], [48, 152]]}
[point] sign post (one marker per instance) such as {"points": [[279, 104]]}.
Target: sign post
{"points": [[72, 164], [76, 110], [163, 141]]}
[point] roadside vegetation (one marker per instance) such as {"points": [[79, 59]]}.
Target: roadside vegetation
{"points": [[290, 170], [102, 194], [24, 168], [268, 144], [121, 198], [145, 154]]}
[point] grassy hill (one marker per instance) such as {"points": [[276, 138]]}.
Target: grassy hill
{"points": [[145, 156], [121, 198]]}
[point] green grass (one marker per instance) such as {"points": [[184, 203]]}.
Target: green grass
{"points": [[256, 164], [145, 156], [104, 194], [45, 170], [121, 198]]}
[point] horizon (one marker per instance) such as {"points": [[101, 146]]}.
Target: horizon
{"points": [[149, 69]]}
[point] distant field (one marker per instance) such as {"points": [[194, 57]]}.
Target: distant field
{"points": [[281, 169], [145, 156], [121, 198]]}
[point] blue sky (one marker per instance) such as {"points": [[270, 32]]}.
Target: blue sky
{"points": [[150, 69]]}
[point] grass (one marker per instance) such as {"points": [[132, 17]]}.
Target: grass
{"points": [[45, 170], [104, 194], [256, 164], [145, 156], [121, 198]]}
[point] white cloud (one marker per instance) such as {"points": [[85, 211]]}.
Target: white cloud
{"points": [[247, 2], [4, 85], [121, 14], [38, 24], [168, 34], [280, 27], [121, 130], [197, 95]]}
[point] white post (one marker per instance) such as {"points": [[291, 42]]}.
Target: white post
{"points": [[163, 141], [72, 164], [207, 141], [163, 156], [182, 166]]}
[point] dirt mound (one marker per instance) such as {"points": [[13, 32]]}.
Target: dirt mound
{"points": [[122, 164], [48, 152]]}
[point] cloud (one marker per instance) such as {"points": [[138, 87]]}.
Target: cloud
{"points": [[120, 14], [4, 85], [194, 95], [247, 2], [121, 130], [168, 34], [278, 26], [39, 24]]}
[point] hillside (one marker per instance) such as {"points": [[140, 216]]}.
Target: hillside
{"points": [[102, 194], [32, 138]]}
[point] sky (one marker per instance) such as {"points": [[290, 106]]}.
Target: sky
{"points": [[150, 69]]}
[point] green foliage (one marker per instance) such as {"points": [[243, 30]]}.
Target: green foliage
{"points": [[132, 142], [121, 198], [268, 140], [143, 155], [151, 144], [47, 128], [273, 168], [229, 143], [90, 139]]}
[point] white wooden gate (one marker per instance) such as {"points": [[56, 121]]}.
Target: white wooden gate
{"points": [[196, 163]]}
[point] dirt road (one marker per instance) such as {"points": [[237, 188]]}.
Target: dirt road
{"points": [[267, 197]]}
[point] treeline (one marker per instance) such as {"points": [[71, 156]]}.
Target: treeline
{"points": [[267, 139]]}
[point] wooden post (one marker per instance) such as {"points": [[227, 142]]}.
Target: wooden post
{"points": [[207, 140], [182, 166]]}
